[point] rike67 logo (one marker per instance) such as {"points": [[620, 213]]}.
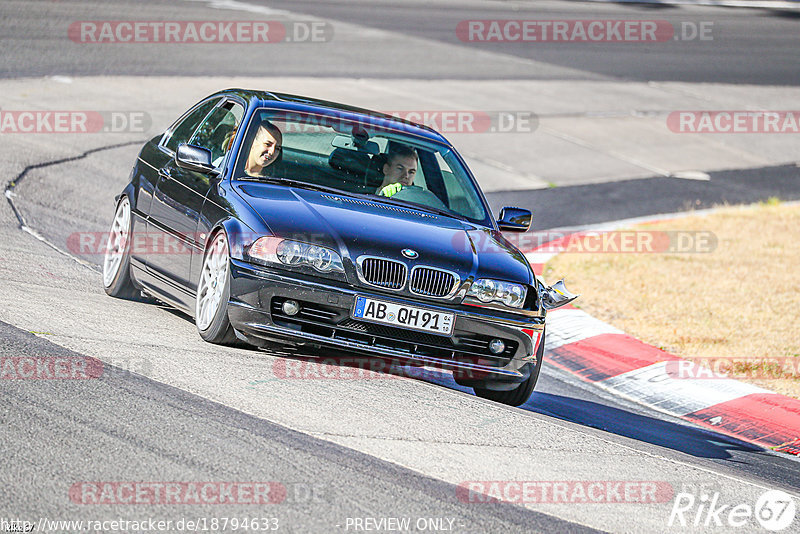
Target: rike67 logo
{"points": [[773, 511]]}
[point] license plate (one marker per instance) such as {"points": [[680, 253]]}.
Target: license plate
{"points": [[379, 311]]}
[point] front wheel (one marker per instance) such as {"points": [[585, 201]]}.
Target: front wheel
{"points": [[117, 260], [520, 394], [213, 293]]}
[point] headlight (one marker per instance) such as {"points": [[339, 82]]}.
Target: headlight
{"points": [[287, 252], [486, 290]]}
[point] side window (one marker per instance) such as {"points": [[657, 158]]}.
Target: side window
{"points": [[217, 131], [184, 130]]}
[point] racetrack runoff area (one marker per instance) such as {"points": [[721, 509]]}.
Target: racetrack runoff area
{"points": [[515, 135]]}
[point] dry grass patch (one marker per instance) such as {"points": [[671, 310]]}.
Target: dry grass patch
{"points": [[738, 305]]}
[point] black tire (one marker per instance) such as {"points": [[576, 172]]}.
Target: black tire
{"points": [[219, 331], [519, 395], [119, 283]]}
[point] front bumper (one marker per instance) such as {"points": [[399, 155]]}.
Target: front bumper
{"points": [[325, 319]]}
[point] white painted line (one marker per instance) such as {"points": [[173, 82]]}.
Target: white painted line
{"points": [[367, 33], [691, 175], [612, 153], [27, 229], [236, 5], [570, 326], [60, 79], [654, 387], [624, 223], [770, 4]]}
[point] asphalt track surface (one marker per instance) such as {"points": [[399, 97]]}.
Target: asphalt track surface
{"points": [[759, 48], [393, 40], [323, 480], [132, 426], [579, 205]]}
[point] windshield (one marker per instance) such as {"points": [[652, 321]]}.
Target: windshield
{"points": [[360, 158]]}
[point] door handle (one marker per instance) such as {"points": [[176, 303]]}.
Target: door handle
{"points": [[164, 173]]}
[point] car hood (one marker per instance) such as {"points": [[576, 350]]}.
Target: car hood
{"points": [[356, 227]]}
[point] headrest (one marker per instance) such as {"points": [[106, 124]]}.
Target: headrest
{"points": [[349, 161]]}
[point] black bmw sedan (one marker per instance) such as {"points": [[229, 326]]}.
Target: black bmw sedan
{"points": [[273, 218]]}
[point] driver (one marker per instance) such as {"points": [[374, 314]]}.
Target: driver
{"points": [[265, 150], [398, 171]]}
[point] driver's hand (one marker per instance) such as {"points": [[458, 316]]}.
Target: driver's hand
{"points": [[391, 189]]}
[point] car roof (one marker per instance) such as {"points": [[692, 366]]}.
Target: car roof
{"points": [[310, 104]]}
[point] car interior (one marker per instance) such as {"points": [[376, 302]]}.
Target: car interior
{"points": [[353, 162]]}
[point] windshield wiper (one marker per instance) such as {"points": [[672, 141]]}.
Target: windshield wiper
{"points": [[423, 207]]}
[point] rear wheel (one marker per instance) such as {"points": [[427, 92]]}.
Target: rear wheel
{"points": [[519, 395], [213, 293], [117, 260]]}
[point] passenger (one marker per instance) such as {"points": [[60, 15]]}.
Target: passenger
{"points": [[265, 150], [398, 171]]}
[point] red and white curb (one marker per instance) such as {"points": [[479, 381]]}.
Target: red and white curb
{"points": [[599, 353]]}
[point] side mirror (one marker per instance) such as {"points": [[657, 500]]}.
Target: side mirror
{"points": [[194, 158], [514, 219], [556, 295]]}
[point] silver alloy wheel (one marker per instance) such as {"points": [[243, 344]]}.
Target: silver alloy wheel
{"points": [[213, 278], [117, 242]]}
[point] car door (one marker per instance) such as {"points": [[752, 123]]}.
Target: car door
{"points": [[166, 218], [145, 174], [180, 194]]}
